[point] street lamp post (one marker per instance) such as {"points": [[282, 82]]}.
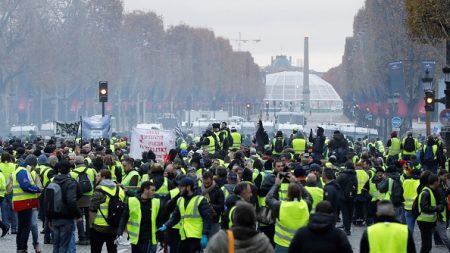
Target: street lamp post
{"points": [[427, 82], [446, 71], [248, 112], [267, 110]]}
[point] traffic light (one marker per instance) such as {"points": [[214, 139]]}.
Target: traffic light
{"points": [[429, 101], [103, 91]]}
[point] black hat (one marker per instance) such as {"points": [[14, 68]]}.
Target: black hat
{"points": [[187, 181], [215, 125]]}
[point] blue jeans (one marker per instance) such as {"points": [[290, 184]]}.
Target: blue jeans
{"points": [[410, 221], [34, 228], [440, 234], [62, 235], [8, 216], [24, 227], [281, 249]]}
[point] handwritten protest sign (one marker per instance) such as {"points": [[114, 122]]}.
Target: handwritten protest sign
{"points": [[158, 141]]}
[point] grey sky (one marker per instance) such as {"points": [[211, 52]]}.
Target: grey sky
{"points": [[280, 24]]}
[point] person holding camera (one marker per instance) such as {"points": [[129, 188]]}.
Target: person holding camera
{"points": [[290, 214]]}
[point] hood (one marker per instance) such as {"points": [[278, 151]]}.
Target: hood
{"points": [[61, 179], [349, 172], [321, 222], [394, 175], [108, 183]]}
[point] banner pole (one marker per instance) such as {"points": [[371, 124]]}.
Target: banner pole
{"points": [[81, 132]]}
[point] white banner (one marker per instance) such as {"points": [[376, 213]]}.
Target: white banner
{"points": [[158, 141]]}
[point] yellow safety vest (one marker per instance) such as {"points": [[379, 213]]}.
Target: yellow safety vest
{"points": [[387, 237], [91, 174], [316, 194], [230, 217], [163, 189], [44, 170], [173, 193], [226, 192], [191, 222], [293, 215], [18, 193], [212, 145], [103, 209], [410, 192], [394, 149], [362, 180], [299, 146], [434, 148], [134, 222], [7, 169], [427, 217], [380, 146], [409, 152], [282, 191], [236, 140], [218, 139], [2, 185], [127, 179]]}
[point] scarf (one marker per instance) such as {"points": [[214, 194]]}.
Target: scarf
{"points": [[206, 191]]}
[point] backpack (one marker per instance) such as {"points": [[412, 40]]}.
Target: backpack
{"points": [[350, 188], [278, 145], [84, 181], [54, 203], [410, 145], [116, 207], [428, 156]]}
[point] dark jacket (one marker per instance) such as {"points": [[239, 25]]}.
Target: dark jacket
{"points": [[332, 192], [261, 138], [230, 202], [70, 192], [216, 201], [425, 203], [364, 245], [318, 141], [338, 146], [348, 182], [320, 236], [397, 188]]}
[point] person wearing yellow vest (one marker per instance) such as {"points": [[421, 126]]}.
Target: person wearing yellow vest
{"points": [[131, 178], [299, 143], [25, 198], [228, 188], [387, 235], [3, 225], [409, 146], [85, 200], [45, 171], [194, 214], [101, 232], [210, 142], [278, 144], [410, 186], [290, 214], [216, 200], [237, 139], [114, 166], [242, 192], [362, 195], [321, 235], [394, 146], [141, 217], [428, 212], [440, 236], [162, 184], [429, 155], [8, 166], [313, 190]]}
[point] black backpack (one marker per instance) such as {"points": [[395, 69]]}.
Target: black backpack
{"points": [[84, 181], [54, 203], [350, 188], [409, 145], [116, 207], [278, 145]]}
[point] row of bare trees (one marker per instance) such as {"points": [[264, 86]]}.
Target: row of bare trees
{"points": [[54, 52]]}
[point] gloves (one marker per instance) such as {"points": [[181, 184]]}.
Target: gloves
{"points": [[162, 229], [204, 241]]}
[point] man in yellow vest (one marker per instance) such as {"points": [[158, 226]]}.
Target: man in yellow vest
{"points": [[3, 225], [79, 174], [313, 190], [290, 214], [132, 178], [242, 192], [409, 146], [299, 143], [362, 195], [410, 186], [387, 235], [429, 155], [237, 139], [101, 231], [428, 212], [25, 198], [394, 147], [8, 166], [194, 214], [142, 217]]}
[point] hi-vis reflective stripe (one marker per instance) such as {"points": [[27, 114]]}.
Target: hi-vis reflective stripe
{"points": [[133, 234], [195, 214], [408, 203], [22, 194], [283, 236], [291, 231], [133, 223]]}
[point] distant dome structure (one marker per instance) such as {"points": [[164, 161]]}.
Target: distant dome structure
{"points": [[284, 89]]}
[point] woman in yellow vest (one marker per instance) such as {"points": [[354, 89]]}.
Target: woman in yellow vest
{"points": [[141, 219], [4, 226], [8, 166], [290, 214], [387, 235]]}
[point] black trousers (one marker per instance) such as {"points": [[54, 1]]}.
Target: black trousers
{"points": [[426, 233], [347, 213], [173, 240], [190, 245], [98, 239], [269, 231]]}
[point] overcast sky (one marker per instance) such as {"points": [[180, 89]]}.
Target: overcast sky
{"points": [[280, 24]]}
